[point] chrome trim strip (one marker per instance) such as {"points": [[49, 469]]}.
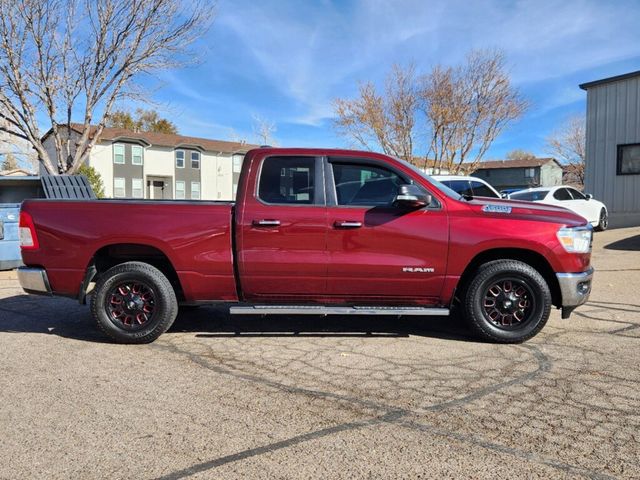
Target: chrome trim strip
{"points": [[325, 310], [34, 280]]}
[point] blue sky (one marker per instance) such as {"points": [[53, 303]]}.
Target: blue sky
{"points": [[287, 60]]}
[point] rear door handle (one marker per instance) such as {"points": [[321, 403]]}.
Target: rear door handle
{"points": [[266, 223], [347, 224]]}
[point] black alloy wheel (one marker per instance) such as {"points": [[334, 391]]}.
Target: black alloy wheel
{"points": [[509, 303], [130, 305]]}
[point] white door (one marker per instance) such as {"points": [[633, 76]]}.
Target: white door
{"points": [[563, 198], [584, 207]]}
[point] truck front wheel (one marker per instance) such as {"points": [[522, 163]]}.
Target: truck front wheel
{"points": [[134, 303], [507, 301]]}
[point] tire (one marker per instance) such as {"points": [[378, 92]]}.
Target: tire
{"points": [[134, 303], [512, 286], [603, 222]]}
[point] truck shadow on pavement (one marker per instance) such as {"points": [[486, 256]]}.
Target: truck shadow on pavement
{"points": [[66, 318], [631, 244]]}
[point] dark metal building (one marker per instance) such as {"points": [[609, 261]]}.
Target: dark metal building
{"points": [[612, 167]]}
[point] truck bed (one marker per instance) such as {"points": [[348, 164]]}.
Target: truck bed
{"points": [[196, 238]]}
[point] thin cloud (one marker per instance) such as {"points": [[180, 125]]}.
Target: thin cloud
{"points": [[287, 60]]}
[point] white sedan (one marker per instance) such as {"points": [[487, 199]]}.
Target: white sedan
{"points": [[568, 197]]}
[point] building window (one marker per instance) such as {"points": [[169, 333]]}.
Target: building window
{"points": [[119, 187], [136, 155], [180, 190], [179, 158], [629, 159], [237, 164], [195, 190], [529, 173], [118, 153], [136, 188], [195, 159]]}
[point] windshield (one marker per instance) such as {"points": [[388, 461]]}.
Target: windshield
{"points": [[530, 196], [440, 186]]}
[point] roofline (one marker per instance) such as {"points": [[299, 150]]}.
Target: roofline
{"points": [[550, 159], [617, 78], [179, 146], [63, 125], [124, 138], [544, 188]]}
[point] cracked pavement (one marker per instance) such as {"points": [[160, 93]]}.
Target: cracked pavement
{"points": [[313, 397]]}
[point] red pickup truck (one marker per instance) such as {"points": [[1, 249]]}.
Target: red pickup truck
{"points": [[313, 231]]}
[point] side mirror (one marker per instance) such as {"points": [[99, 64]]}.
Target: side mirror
{"points": [[504, 195], [589, 196], [411, 196]]}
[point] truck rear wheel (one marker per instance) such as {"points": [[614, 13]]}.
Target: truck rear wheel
{"points": [[508, 301], [134, 303]]}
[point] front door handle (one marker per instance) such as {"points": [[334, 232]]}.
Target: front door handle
{"points": [[347, 224], [266, 223]]}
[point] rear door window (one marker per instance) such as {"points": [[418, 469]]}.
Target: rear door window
{"points": [[528, 196], [463, 187], [481, 190], [288, 180], [576, 194], [562, 194]]}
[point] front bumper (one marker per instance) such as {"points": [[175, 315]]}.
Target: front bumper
{"points": [[34, 280], [575, 289]]}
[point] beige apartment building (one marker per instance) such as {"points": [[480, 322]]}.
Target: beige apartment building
{"points": [[164, 166]]}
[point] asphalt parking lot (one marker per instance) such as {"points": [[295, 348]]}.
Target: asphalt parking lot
{"points": [[220, 397]]}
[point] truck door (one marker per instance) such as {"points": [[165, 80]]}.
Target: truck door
{"points": [[283, 231], [379, 253]]}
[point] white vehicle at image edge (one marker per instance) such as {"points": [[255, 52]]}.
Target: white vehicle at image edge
{"points": [[593, 211], [467, 186]]}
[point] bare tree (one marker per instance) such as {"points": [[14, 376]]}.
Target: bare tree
{"points": [[568, 144], [466, 107], [234, 136], [519, 154], [385, 120], [17, 149], [463, 108], [9, 162], [264, 130], [64, 57]]}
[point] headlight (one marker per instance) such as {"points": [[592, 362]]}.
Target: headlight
{"points": [[576, 239]]}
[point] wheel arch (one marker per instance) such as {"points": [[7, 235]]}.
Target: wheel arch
{"points": [[110, 255], [530, 257]]}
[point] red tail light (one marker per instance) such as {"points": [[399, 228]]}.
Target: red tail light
{"points": [[28, 237]]}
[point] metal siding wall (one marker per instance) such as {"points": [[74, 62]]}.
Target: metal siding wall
{"points": [[613, 118]]}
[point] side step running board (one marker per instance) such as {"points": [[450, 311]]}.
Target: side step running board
{"points": [[324, 310]]}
